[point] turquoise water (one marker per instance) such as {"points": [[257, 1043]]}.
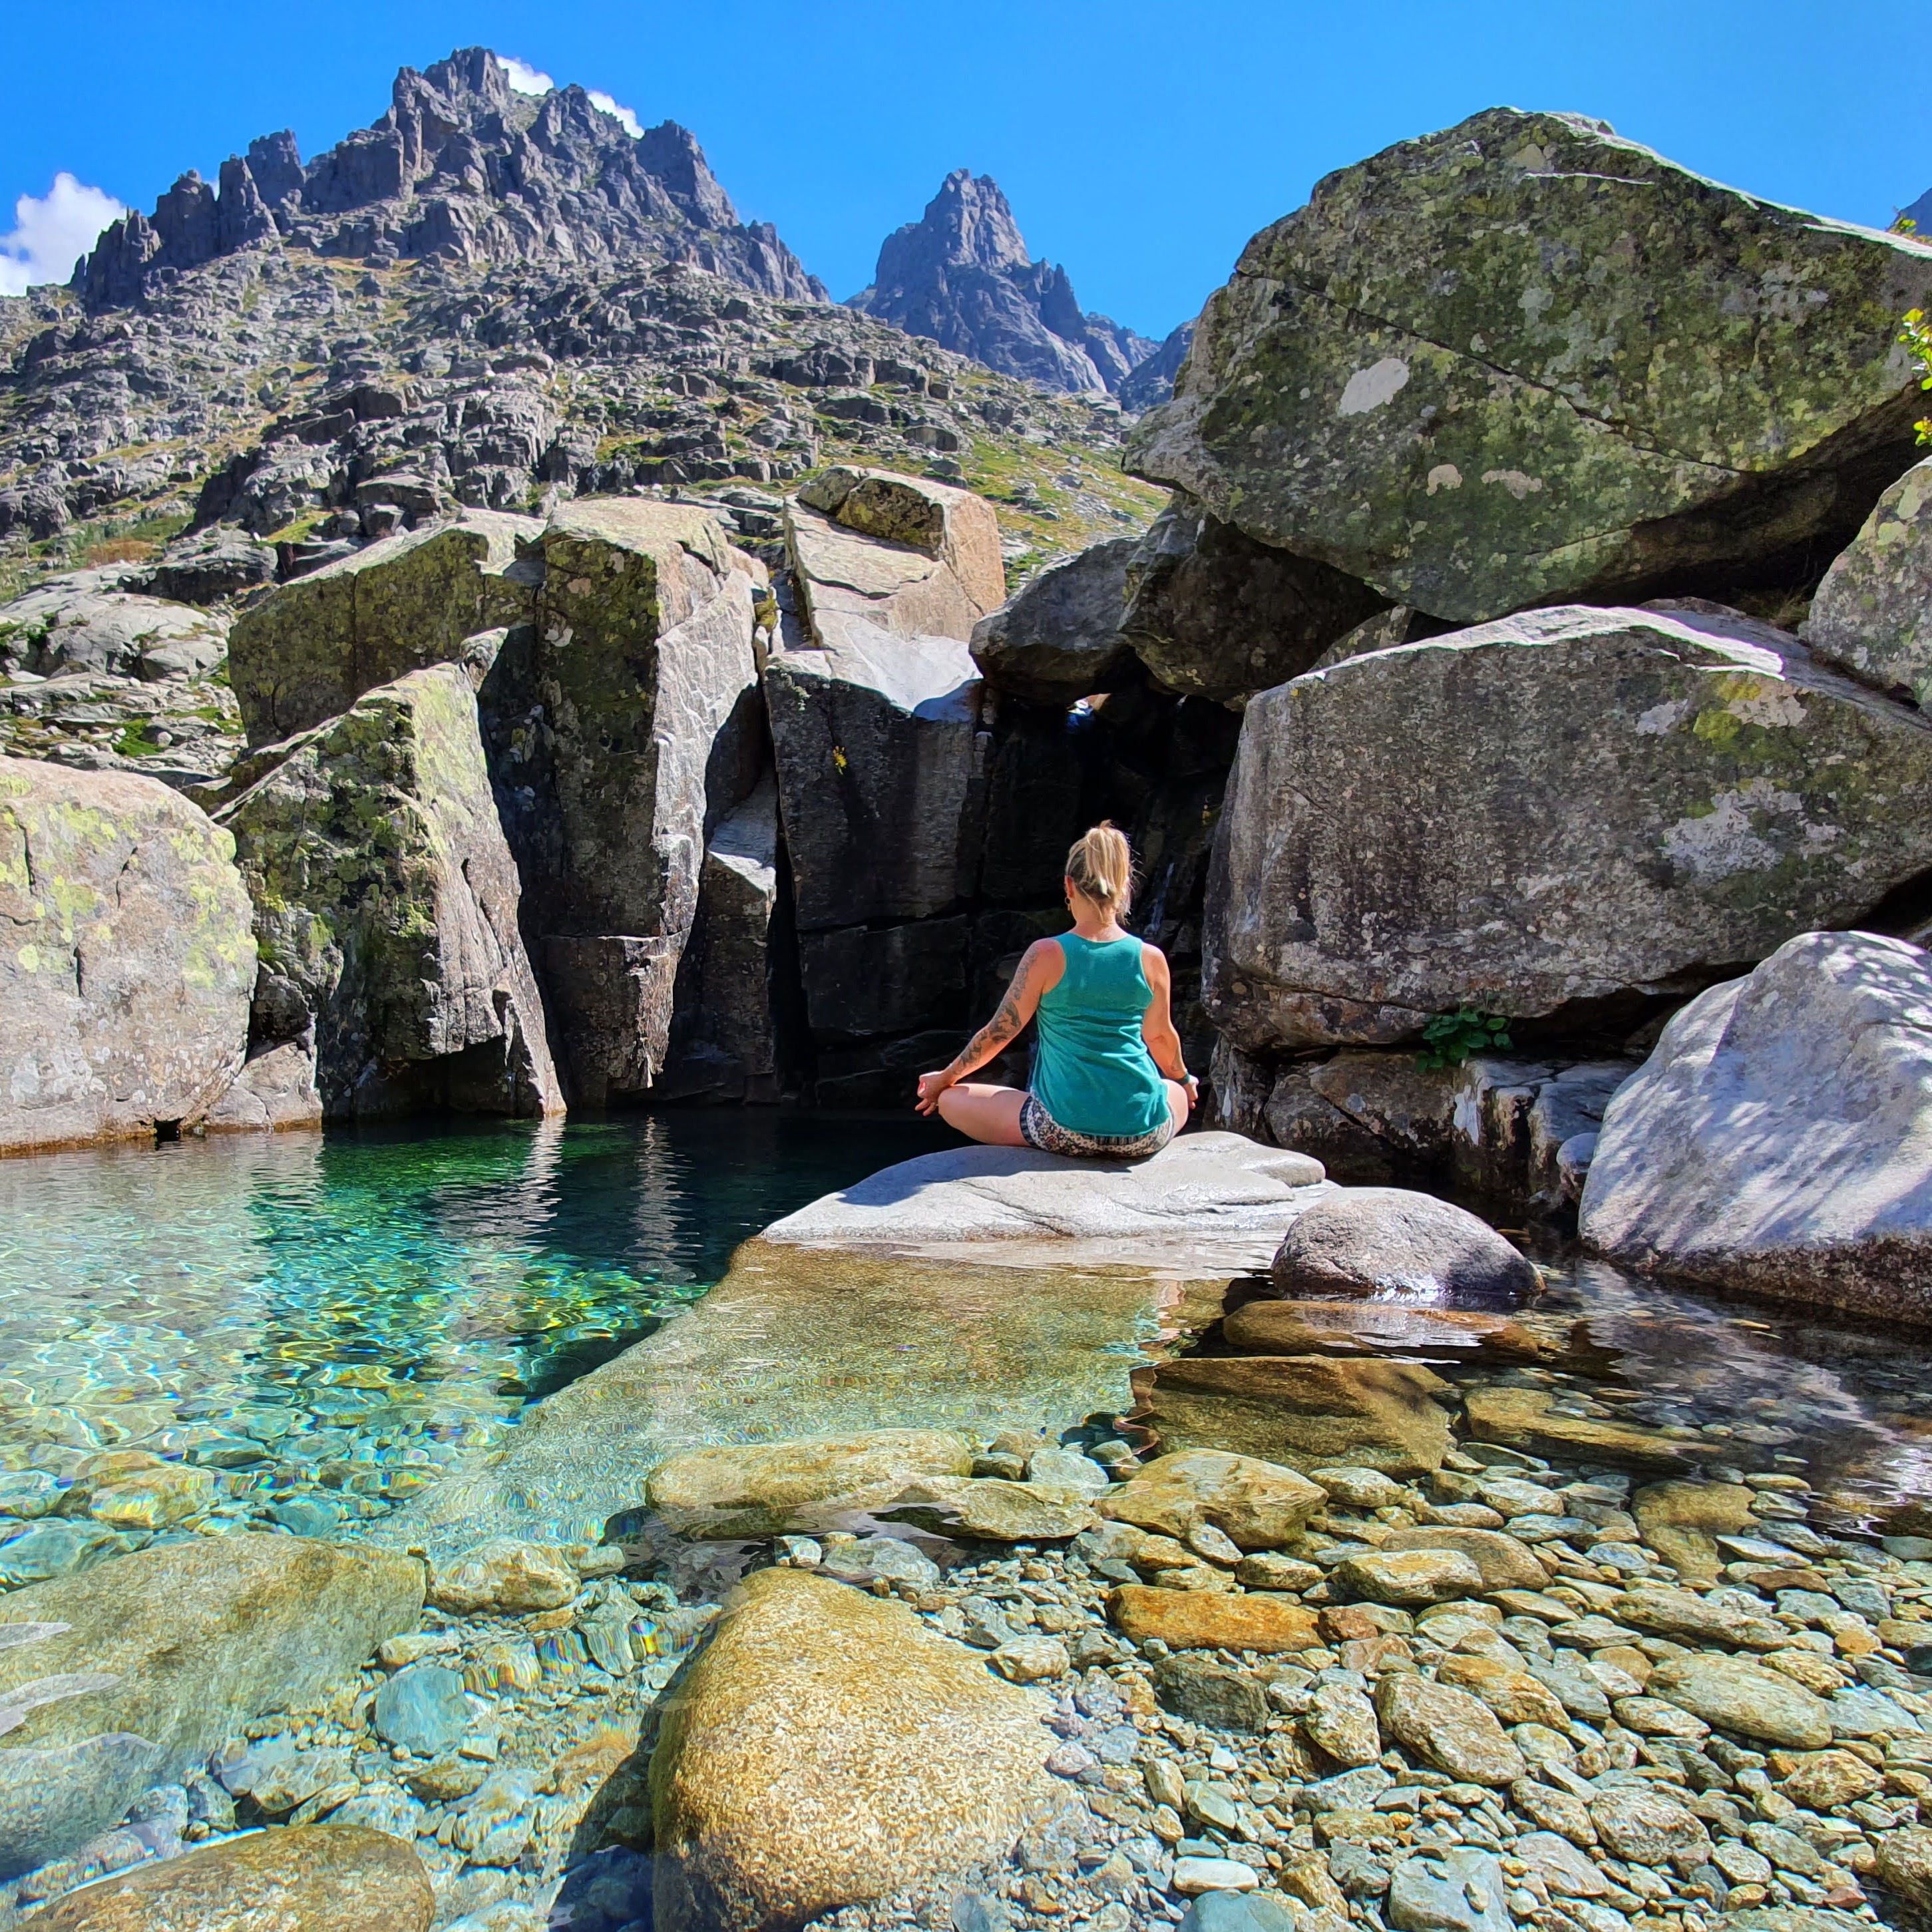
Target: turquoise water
{"points": [[324, 1322]]}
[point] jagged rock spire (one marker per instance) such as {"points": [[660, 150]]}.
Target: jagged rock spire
{"points": [[961, 274]]}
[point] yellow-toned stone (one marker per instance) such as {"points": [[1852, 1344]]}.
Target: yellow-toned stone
{"points": [[1682, 1521], [824, 1749], [1195, 1619], [1304, 1412], [1258, 1505], [317, 1878], [154, 1498], [769, 1489]]}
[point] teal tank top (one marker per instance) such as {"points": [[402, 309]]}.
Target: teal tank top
{"points": [[1092, 1071]]}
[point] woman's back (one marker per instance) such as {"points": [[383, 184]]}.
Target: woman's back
{"points": [[1093, 1072]]}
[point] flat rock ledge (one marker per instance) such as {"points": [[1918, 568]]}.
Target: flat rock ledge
{"points": [[1206, 1202]]}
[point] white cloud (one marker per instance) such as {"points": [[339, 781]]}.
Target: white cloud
{"points": [[524, 78], [51, 231], [632, 126]]}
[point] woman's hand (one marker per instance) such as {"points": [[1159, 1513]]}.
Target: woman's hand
{"points": [[1193, 1086], [931, 1086]]}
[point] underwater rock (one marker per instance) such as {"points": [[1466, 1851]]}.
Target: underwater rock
{"points": [[768, 1489], [1408, 1577], [1200, 1620], [1527, 1419], [1379, 1328], [200, 1636], [1258, 1505], [322, 1878], [1448, 1729], [823, 1749], [1744, 1699], [1307, 1411], [504, 1577], [1505, 1562]]}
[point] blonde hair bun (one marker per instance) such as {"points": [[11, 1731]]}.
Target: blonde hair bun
{"points": [[1101, 865]]}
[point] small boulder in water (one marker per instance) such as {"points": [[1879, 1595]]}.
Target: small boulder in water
{"points": [[1390, 1243], [505, 1576]]}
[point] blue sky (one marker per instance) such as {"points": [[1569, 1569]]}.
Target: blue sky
{"points": [[1140, 144]]}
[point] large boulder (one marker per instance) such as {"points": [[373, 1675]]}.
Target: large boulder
{"points": [[1390, 1244], [307, 652], [129, 962], [1212, 613], [1566, 809], [1523, 360], [1873, 613], [1779, 1138], [621, 727], [166, 1651], [66, 626], [824, 1750], [386, 909], [1059, 639]]}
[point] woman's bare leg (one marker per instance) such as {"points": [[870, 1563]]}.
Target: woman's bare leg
{"points": [[986, 1113], [1177, 1102]]}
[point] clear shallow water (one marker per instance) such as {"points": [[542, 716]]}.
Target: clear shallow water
{"points": [[328, 1324], [1845, 1402], [329, 1320]]}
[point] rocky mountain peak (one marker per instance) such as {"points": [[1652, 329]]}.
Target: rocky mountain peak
{"points": [[968, 223], [461, 168], [961, 274]]}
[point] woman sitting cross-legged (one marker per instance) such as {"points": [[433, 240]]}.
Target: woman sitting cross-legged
{"points": [[1106, 1039]]}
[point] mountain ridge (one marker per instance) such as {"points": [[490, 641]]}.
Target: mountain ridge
{"points": [[460, 169]]}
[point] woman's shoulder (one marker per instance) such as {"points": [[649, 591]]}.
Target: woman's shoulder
{"points": [[1153, 960]]}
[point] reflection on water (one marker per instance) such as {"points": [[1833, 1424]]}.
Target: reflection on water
{"points": [[1847, 1404], [328, 1320]]}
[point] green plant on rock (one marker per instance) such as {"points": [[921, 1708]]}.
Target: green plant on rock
{"points": [[1917, 336], [1449, 1039]]}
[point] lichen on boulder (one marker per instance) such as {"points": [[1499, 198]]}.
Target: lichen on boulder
{"points": [[1575, 809], [126, 959], [309, 650], [386, 902], [1524, 360]]}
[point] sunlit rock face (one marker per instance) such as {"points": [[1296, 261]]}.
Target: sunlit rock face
{"points": [[1524, 360]]}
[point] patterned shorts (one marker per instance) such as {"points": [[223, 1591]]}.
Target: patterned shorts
{"points": [[1039, 1128]]}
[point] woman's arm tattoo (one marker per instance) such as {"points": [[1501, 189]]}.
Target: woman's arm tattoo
{"points": [[1005, 1025]]}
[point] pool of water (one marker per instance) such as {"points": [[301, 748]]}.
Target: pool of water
{"points": [[326, 1321], [1844, 1402]]}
